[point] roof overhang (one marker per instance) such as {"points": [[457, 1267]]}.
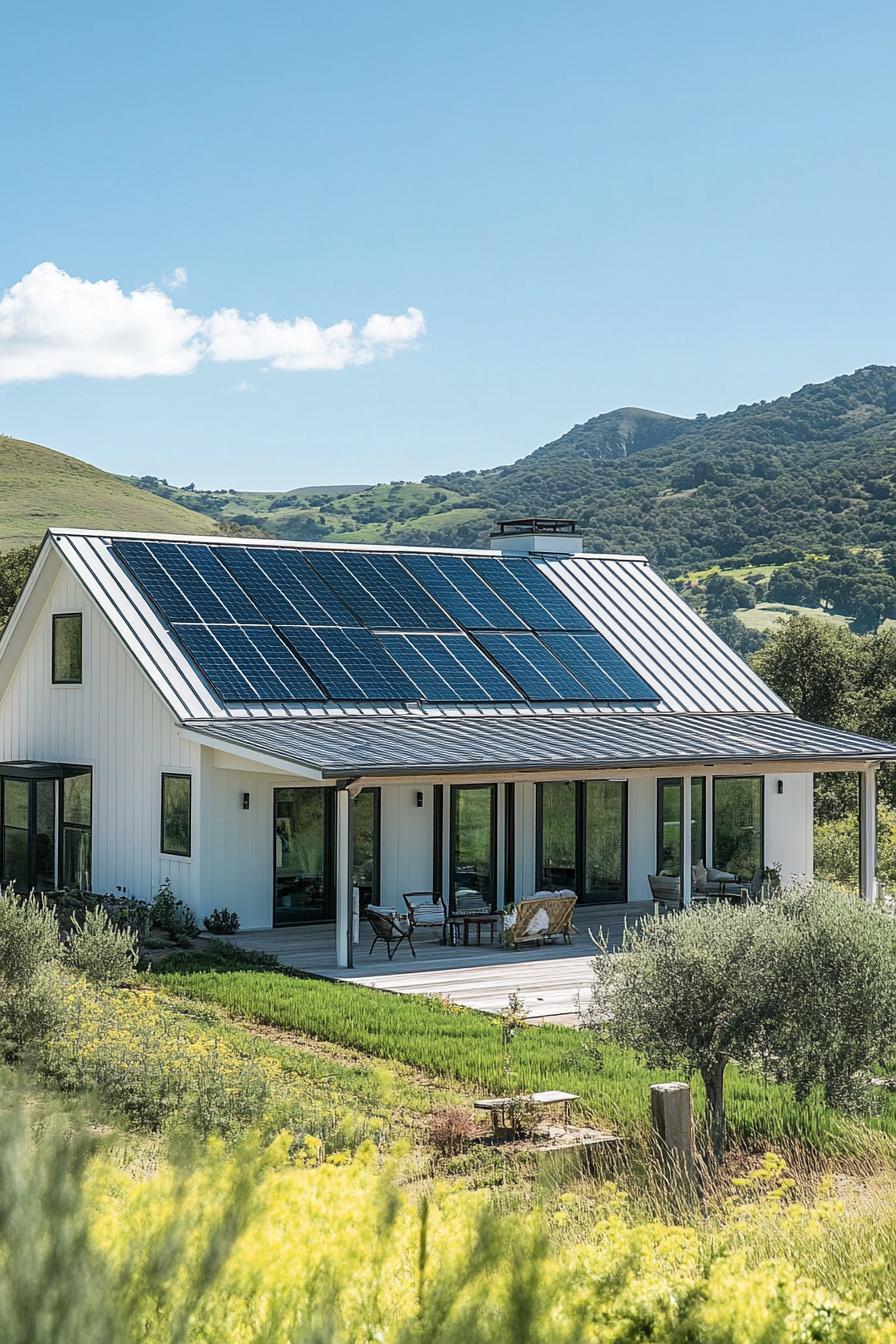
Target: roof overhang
{"points": [[415, 745]]}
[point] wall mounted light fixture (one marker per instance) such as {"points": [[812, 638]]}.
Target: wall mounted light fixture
{"points": [[419, 798], [780, 786], [245, 802]]}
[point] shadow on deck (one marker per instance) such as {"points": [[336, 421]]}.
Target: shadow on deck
{"points": [[554, 981]]}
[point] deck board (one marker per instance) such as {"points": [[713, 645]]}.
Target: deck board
{"points": [[554, 981]]}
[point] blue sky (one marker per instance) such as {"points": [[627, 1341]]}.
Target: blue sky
{"points": [[676, 206]]}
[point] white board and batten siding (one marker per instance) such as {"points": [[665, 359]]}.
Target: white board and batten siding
{"points": [[114, 722]]}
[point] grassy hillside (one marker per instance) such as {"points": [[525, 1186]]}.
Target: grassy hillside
{"points": [[811, 472], [40, 488]]}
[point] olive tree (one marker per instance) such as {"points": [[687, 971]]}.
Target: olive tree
{"points": [[30, 1002], [803, 985]]}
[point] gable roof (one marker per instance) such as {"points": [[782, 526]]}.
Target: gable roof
{"points": [[686, 667]]}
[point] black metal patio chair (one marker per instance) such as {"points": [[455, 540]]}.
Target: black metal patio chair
{"points": [[390, 928]]}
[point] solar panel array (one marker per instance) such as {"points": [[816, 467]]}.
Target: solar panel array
{"points": [[275, 623]]}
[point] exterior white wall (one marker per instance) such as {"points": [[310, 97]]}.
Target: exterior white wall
{"points": [[115, 723], [788, 825]]}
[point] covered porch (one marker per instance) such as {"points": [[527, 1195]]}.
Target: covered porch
{"points": [[348, 811]]}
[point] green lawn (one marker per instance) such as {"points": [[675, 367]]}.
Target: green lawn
{"points": [[460, 1044]]}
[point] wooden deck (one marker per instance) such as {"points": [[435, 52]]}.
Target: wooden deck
{"points": [[554, 981]]}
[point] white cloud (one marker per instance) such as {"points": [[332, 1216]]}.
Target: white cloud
{"points": [[243, 386], [52, 324], [380, 330], [176, 279]]}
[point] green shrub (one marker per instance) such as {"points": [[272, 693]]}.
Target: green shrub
{"points": [[222, 921], [29, 981], [173, 915], [101, 952]]}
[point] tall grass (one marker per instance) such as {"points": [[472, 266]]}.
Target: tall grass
{"points": [[242, 1247], [457, 1043]]}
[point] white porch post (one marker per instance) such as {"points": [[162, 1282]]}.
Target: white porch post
{"points": [[685, 841], [344, 894], [868, 832]]}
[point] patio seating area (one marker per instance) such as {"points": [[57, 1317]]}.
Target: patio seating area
{"points": [[554, 979]]}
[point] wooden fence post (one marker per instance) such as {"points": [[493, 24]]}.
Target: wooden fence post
{"points": [[673, 1121]]}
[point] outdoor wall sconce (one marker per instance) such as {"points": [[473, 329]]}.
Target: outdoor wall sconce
{"points": [[245, 802], [419, 798], [780, 786]]}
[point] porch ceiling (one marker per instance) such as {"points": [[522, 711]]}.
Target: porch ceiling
{"points": [[420, 745]]}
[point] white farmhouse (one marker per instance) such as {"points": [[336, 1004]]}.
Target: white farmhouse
{"points": [[288, 729]]}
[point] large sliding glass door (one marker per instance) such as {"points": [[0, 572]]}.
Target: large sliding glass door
{"points": [[304, 889], [581, 832], [45, 826], [474, 842]]}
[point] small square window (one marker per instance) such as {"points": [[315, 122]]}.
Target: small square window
{"points": [[67, 649], [176, 814]]}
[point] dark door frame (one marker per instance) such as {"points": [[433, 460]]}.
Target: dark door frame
{"points": [[329, 873]]}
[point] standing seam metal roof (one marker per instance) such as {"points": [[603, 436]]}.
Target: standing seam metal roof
{"points": [[692, 670], [420, 745]]}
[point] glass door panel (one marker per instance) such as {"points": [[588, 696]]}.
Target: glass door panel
{"points": [[606, 805], [366, 847], [16, 847], [303, 866], [473, 838], [44, 804], [737, 836], [668, 826], [698, 819], [557, 830]]}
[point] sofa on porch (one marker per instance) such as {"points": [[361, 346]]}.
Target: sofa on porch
{"points": [[547, 914]]}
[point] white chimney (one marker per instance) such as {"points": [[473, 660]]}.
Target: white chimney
{"points": [[542, 536]]}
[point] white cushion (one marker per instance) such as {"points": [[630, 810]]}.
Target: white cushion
{"points": [[719, 875]]}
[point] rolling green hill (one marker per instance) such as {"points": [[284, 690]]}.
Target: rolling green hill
{"points": [[40, 488], [810, 472]]}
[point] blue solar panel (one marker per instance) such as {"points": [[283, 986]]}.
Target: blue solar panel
{"points": [[315, 603], [247, 662], [259, 586], [462, 593], [447, 668], [381, 593], [539, 675], [529, 593], [598, 666], [212, 575], [350, 664], [153, 579]]}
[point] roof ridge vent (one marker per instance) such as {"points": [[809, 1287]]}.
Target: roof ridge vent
{"points": [[542, 536]]}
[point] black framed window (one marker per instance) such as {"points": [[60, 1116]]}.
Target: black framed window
{"points": [[77, 823], [177, 819], [45, 826], [304, 855], [366, 846], [509, 844], [474, 842], [438, 831], [738, 838], [67, 649], [581, 838]]}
